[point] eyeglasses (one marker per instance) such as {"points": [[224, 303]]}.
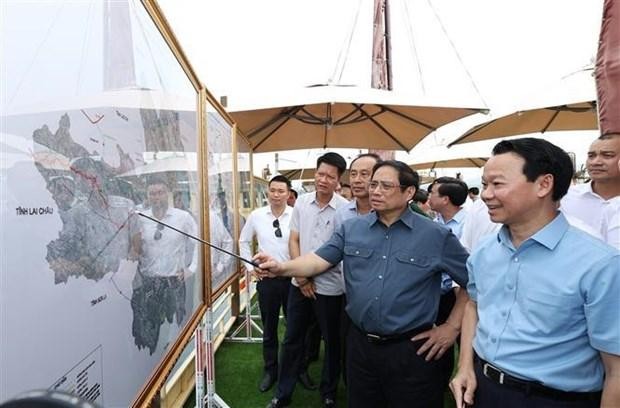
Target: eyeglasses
{"points": [[384, 185], [276, 225], [158, 231]]}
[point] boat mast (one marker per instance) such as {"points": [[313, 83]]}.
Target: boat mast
{"points": [[607, 70], [381, 76]]}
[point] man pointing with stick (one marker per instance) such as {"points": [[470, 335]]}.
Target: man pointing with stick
{"points": [[392, 261]]}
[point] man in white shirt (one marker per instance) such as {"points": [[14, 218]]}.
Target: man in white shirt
{"points": [[588, 201], [477, 225], [312, 224], [166, 258], [270, 226], [611, 221]]}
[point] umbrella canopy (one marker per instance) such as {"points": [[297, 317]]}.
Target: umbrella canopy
{"points": [[307, 174], [166, 165], [575, 116], [345, 117], [456, 163]]}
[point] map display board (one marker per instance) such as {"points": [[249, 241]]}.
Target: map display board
{"points": [[244, 170], [221, 196], [98, 126]]}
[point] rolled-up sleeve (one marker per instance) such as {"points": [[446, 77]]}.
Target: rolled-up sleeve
{"points": [[333, 249], [471, 282]]}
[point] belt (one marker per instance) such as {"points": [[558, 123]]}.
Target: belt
{"points": [[532, 387], [392, 338]]}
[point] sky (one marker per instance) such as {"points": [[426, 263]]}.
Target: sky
{"points": [[500, 54]]}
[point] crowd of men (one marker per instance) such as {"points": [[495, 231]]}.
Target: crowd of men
{"points": [[525, 272]]}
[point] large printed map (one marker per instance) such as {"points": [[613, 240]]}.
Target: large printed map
{"points": [[71, 249]]}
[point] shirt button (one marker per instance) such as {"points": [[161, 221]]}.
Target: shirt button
{"points": [[504, 313], [380, 276], [509, 286], [357, 252], [387, 237], [516, 259], [383, 257], [412, 259], [493, 339], [376, 297]]}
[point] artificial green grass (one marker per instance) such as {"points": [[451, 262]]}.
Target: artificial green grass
{"points": [[239, 368]]}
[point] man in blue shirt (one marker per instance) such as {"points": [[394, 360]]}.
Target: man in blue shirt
{"points": [[542, 328], [392, 261], [446, 197]]}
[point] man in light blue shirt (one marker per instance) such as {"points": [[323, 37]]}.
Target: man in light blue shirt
{"points": [[446, 197], [542, 328], [360, 173]]}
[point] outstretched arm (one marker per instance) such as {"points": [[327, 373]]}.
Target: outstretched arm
{"points": [[303, 266]]}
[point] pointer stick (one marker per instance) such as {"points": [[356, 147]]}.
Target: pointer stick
{"points": [[199, 240]]}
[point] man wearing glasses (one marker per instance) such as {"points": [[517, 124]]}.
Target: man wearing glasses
{"points": [[166, 259], [393, 260], [270, 226]]}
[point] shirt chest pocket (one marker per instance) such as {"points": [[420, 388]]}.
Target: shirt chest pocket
{"points": [[357, 258], [408, 262], [548, 312]]}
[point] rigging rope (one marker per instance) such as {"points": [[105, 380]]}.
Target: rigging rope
{"points": [[346, 47], [36, 54], [84, 44], [148, 45], [443, 28], [413, 47]]}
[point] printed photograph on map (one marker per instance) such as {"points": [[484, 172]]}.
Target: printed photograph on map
{"points": [[99, 160]]}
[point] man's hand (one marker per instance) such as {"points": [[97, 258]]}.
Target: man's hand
{"points": [[463, 386], [253, 274], [307, 288], [439, 339], [268, 266]]}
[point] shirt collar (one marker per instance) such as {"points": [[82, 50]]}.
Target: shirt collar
{"points": [[167, 214], [287, 210], [332, 203], [584, 189], [458, 217], [352, 206], [548, 236], [407, 217]]}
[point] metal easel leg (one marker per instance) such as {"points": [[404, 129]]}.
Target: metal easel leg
{"points": [[211, 400], [248, 320]]}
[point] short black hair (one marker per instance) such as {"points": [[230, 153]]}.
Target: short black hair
{"points": [[407, 177], [420, 196], [453, 188], [333, 159], [152, 180], [294, 192], [281, 179], [609, 135], [375, 156], [474, 190], [541, 157]]}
